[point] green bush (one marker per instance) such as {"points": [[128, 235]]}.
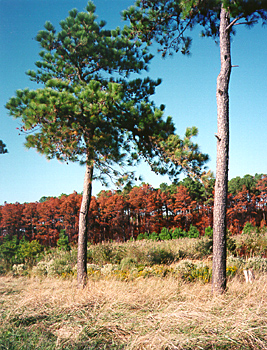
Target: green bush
{"points": [[105, 254], [248, 228], [193, 232], [14, 251], [209, 231], [230, 244], [203, 247], [8, 251], [189, 271], [178, 233], [165, 234], [128, 262], [160, 256], [118, 253], [63, 241], [154, 236], [56, 263], [29, 251]]}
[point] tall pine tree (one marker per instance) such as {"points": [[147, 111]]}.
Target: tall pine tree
{"points": [[168, 22]]}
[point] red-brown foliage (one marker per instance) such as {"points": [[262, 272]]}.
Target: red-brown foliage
{"points": [[116, 215]]}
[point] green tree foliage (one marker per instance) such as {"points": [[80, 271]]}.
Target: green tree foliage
{"points": [[248, 228], [178, 232], [165, 234], [236, 184], [15, 251], [63, 241], [89, 110], [168, 22], [3, 148], [193, 232], [8, 250], [208, 231]]}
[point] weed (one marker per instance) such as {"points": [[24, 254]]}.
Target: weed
{"points": [[160, 256]]}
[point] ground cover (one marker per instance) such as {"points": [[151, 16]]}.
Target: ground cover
{"points": [[145, 313], [140, 295]]}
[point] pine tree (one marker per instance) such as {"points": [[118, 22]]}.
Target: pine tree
{"points": [[89, 110], [167, 22]]}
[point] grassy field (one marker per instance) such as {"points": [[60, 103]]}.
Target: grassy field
{"points": [[140, 295], [145, 313]]}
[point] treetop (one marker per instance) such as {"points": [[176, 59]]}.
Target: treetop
{"points": [[168, 21]]}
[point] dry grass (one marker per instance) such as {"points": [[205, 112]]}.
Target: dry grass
{"points": [[151, 313]]}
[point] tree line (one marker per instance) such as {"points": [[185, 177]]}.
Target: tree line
{"points": [[124, 214]]}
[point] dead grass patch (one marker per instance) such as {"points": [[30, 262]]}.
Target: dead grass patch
{"points": [[153, 313]]}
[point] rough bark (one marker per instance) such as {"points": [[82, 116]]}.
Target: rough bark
{"points": [[220, 199], [83, 224]]}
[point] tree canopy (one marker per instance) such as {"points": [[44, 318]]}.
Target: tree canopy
{"points": [[169, 22], [86, 103]]}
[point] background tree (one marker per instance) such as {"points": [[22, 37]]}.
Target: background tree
{"points": [[167, 22], [3, 148], [12, 220], [88, 109]]}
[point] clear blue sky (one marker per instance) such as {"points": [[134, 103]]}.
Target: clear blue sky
{"points": [[188, 91]]}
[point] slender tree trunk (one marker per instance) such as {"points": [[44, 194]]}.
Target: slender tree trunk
{"points": [[83, 224], [220, 200]]}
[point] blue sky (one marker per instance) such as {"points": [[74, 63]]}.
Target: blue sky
{"points": [[188, 90]]}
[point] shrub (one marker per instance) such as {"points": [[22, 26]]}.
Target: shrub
{"points": [[203, 247], [257, 263], [178, 233], [137, 254], [251, 245], [230, 244], [106, 253], [29, 251], [101, 254], [248, 228], [193, 232], [160, 256], [154, 236], [189, 271], [118, 253], [14, 251], [128, 262], [140, 237], [165, 234], [56, 263], [8, 251], [63, 241], [208, 231]]}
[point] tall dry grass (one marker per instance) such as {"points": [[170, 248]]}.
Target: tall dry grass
{"points": [[153, 313]]}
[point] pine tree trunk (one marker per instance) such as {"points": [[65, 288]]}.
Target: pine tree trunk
{"points": [[83, 224], [220, 199]]}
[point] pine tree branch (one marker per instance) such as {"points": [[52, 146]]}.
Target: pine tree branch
{"points": [[234, 22]]}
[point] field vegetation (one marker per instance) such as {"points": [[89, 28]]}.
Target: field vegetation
{"points": [[143, 294]]}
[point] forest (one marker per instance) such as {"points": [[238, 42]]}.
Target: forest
{"points": [[129, 213]]}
